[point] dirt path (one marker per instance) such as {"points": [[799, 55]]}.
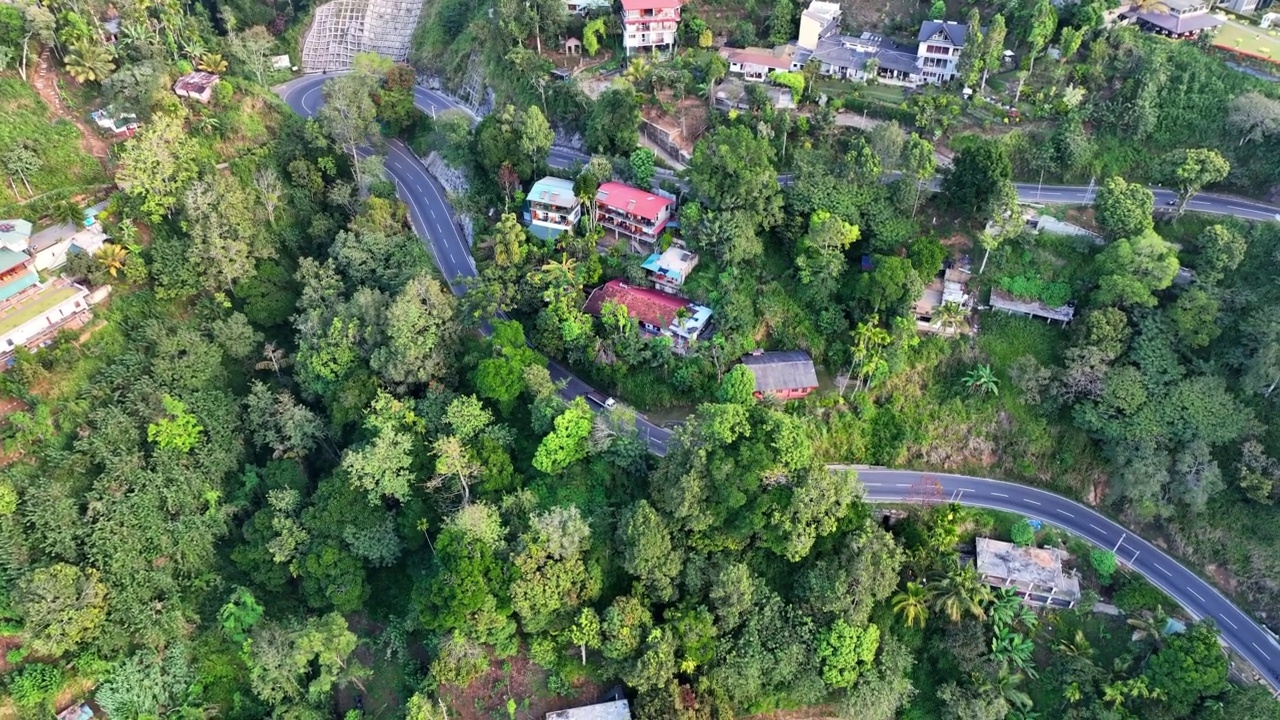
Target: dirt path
{"points": [[46, 84]]}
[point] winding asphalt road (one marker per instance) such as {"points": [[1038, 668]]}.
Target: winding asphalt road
{"points": [[1198, 597], [433, 219]]}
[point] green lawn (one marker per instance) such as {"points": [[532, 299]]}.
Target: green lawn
{"points": [[24, 120], [1257, 42], [34, 308]]}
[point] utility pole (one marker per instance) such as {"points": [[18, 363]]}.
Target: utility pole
{"points": [[1088, 194]]}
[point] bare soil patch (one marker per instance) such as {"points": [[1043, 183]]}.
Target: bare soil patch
{"points": [[45, 83], [519, 679]]}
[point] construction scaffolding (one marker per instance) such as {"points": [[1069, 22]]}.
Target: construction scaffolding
{"points": [[342, 28]]}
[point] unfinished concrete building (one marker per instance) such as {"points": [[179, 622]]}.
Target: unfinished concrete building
{"points": [[342, 28]]}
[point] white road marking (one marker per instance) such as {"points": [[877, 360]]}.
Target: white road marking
{"points": [[1161, 569], [1064, 512], [433, 213], [1033, 502], [1193, 592], [1255, 647], [1227, 621], [967, 490], [1095, 527], [873, 484], [418, 186], [901, 485], [999, 494]]}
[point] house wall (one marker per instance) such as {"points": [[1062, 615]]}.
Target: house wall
{"points": [[53, 256], [938, 59], [654, 30], [42, 325], [787, 394]]}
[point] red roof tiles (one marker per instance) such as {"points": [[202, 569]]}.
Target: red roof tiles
{"points": [[631, 200], [650, 4], [652, 307]]}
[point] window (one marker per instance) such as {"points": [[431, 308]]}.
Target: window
{"points": [[937, 50]]}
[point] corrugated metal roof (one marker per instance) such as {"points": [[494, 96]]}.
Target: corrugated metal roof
{"points": [[783, 370]]}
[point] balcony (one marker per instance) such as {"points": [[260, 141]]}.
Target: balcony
{"points": [[554, 217]]}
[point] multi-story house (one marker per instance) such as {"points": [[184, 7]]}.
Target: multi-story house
{"points": [[553, 208], [649, 25], [670, 268], [940, 44], [632, 212]]}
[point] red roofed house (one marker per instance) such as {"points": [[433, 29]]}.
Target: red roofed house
{"points": [[657, 312], [649, 25], [631, 211]]}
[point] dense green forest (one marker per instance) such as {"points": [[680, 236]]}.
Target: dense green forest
{"points": [[288, 474]]}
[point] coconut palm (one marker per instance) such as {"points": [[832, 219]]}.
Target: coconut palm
{"points": [[212, 62], [982, 380], [111, 257], [274, 359], [949, 316], [1006, 684], [959, 593], [89, 61], [682, 316], [1149, 625], [911, 605]]}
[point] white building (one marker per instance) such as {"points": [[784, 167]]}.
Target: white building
{"points": [[553, 208], [582, 7], [940, 43], [649, 25]]}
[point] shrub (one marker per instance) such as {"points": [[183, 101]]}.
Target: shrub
{"points": [[1053, 294], [1135, 594], [35, 685], [1022, 533], [1104, 563]]}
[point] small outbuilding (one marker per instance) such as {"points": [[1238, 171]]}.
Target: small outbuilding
{"points": [[197, 85], [1004, 302], [788, 375], [615, 710]]}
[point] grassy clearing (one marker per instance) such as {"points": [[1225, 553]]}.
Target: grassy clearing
{"points": [[24, 119], [1261, 43]]}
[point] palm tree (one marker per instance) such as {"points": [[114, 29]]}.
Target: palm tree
{"points": [[274, 359], [1011, 647], [639, 73], [1149, 625], [682, 316], [126, 234], [982, 380], [1075, 646], [194, 48], [111, 257], [958, 593], [1006, 683], [89, 61], [911, 606], [212, 62], [949, 316], [1005, 604]]}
